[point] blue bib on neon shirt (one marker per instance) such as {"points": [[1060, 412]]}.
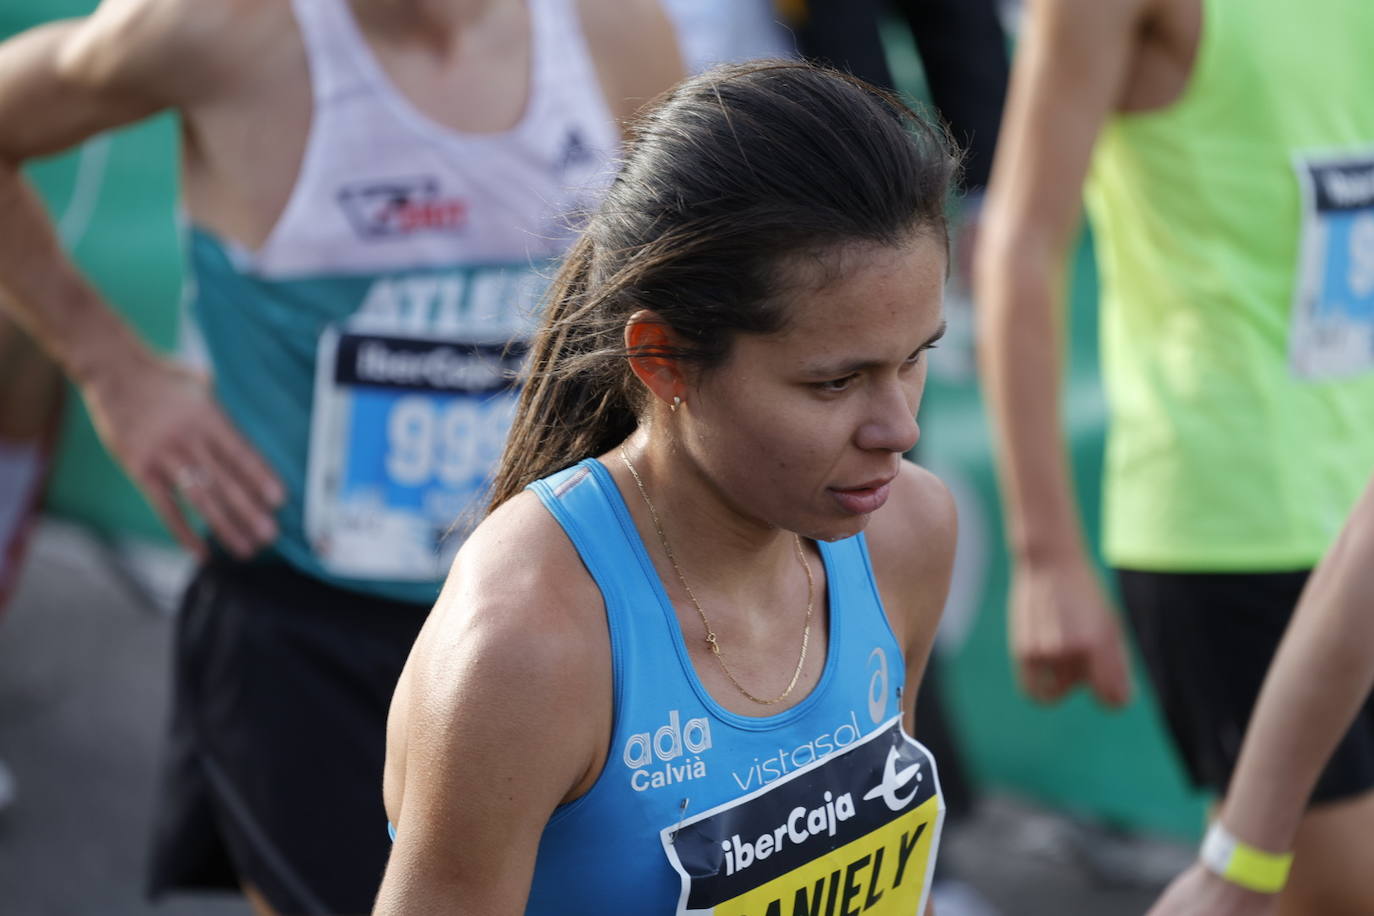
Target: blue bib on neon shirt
{"points": [[827, 807]]}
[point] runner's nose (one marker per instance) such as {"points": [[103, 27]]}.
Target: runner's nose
{"points": [[891, 424]]}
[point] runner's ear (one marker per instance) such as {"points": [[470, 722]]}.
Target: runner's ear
{"points": [[653, 349]]}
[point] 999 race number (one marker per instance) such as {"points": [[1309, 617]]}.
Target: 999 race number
{"points": [[452, 444]]}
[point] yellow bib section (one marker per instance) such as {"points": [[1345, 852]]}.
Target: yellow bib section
{"points": [[883, 873]]}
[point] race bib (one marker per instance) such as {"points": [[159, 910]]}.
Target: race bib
{"points": [[855, 832], [409, 418], [1333, 309]]}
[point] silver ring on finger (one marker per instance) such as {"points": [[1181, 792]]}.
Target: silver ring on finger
{"points": [[189, 477]]}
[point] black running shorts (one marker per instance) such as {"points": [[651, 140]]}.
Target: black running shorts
{"points": [[1207, 640], [273, 776]]}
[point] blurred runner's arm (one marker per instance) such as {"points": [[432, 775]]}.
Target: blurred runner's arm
{"points": [[60, 84], [1322, 675], [635, 71], [1069, 72], [43, 110]]}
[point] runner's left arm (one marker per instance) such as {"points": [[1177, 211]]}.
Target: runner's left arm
{"points": [[1322, 674], [911, 544]]}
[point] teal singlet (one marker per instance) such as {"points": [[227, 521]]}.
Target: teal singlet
{"points": [[826, 808], [367, 348]]}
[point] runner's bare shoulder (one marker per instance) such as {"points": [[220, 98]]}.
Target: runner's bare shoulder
{"points": [[911, 544], [518, 588], [520, 558]]}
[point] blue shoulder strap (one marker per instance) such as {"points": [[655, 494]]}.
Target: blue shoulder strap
{"points": [[578, 501], [583, 499]]}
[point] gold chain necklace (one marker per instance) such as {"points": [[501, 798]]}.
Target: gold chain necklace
{"points": [[710, 634]]}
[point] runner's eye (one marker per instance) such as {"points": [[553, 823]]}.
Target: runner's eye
{"points": [[837, 385], [915, 357]]}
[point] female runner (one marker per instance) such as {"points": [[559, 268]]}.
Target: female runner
{"points": [[673, 669]]}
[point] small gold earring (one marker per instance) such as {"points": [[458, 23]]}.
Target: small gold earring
{"points": [[677, 402]]}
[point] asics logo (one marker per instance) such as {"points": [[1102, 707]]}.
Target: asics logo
{"points": [[877, 686]]}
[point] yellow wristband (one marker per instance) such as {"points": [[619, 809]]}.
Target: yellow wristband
{"points": [[1251, 868]]}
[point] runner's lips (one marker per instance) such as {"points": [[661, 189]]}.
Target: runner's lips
{"points": [[865, 498], [873, 484]]}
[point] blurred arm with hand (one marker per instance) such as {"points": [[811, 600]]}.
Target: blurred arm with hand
{"points": [[1067, 76], [60, 84], [1322, 675]]}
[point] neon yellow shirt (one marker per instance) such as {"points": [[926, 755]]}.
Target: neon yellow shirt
{"points": [[1235, 241]]}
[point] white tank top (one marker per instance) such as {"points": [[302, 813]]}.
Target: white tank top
{"points": [[367, 347], [383, 186]]}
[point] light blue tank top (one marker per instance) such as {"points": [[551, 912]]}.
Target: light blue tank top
{"points": [[826, 808]]}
